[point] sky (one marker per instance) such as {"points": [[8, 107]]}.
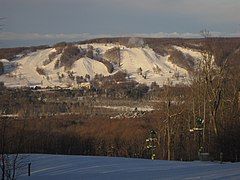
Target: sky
{"points": [[31, 22]]}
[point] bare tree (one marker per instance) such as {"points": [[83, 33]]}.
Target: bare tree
{"points": [[213, 78], [11, 143], [171, 114]]}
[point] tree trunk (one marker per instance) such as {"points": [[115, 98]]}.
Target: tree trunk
{"points": [[168, 142], [168, 132]]}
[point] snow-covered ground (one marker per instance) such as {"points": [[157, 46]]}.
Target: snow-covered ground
{"points": [[23, 70], [60, 167], [127, 108], [195, 54]]}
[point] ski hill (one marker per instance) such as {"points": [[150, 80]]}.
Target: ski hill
{"points": [[49, 67]]}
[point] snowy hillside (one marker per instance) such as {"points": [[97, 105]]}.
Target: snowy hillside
{"points": [[42, 67], [82, 167]]}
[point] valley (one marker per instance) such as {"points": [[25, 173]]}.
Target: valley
{"points": [[105, 97]]}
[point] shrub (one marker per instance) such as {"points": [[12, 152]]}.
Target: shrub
{"points": [[182, 60], [87, 77], [46, 62], [80, 79], [52, 55], [60, 47], [109, 65], [59, 50], [120, 76], [2, 86], [113, 55], [40, 71], [90, 47], [89, 54], [57, 64], [60, 44], [138, 92], [157, 69], [69, 56], [139, 71], [71, 75]]}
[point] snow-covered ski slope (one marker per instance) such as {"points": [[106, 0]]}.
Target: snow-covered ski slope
{"points": [[24, 69], [61, 167]]}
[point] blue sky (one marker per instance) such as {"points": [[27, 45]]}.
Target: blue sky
{"points": [[46, 21]]}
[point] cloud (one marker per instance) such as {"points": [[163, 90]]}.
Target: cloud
{"points": [[181, 35], [11, 36]]}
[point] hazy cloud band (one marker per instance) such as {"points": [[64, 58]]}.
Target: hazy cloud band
{"points": [[10, 36]]}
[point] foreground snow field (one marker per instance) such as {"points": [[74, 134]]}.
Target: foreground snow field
{"points": [[59, 167]]}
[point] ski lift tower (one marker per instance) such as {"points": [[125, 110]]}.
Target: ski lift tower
{"points": [[151, 143]]}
